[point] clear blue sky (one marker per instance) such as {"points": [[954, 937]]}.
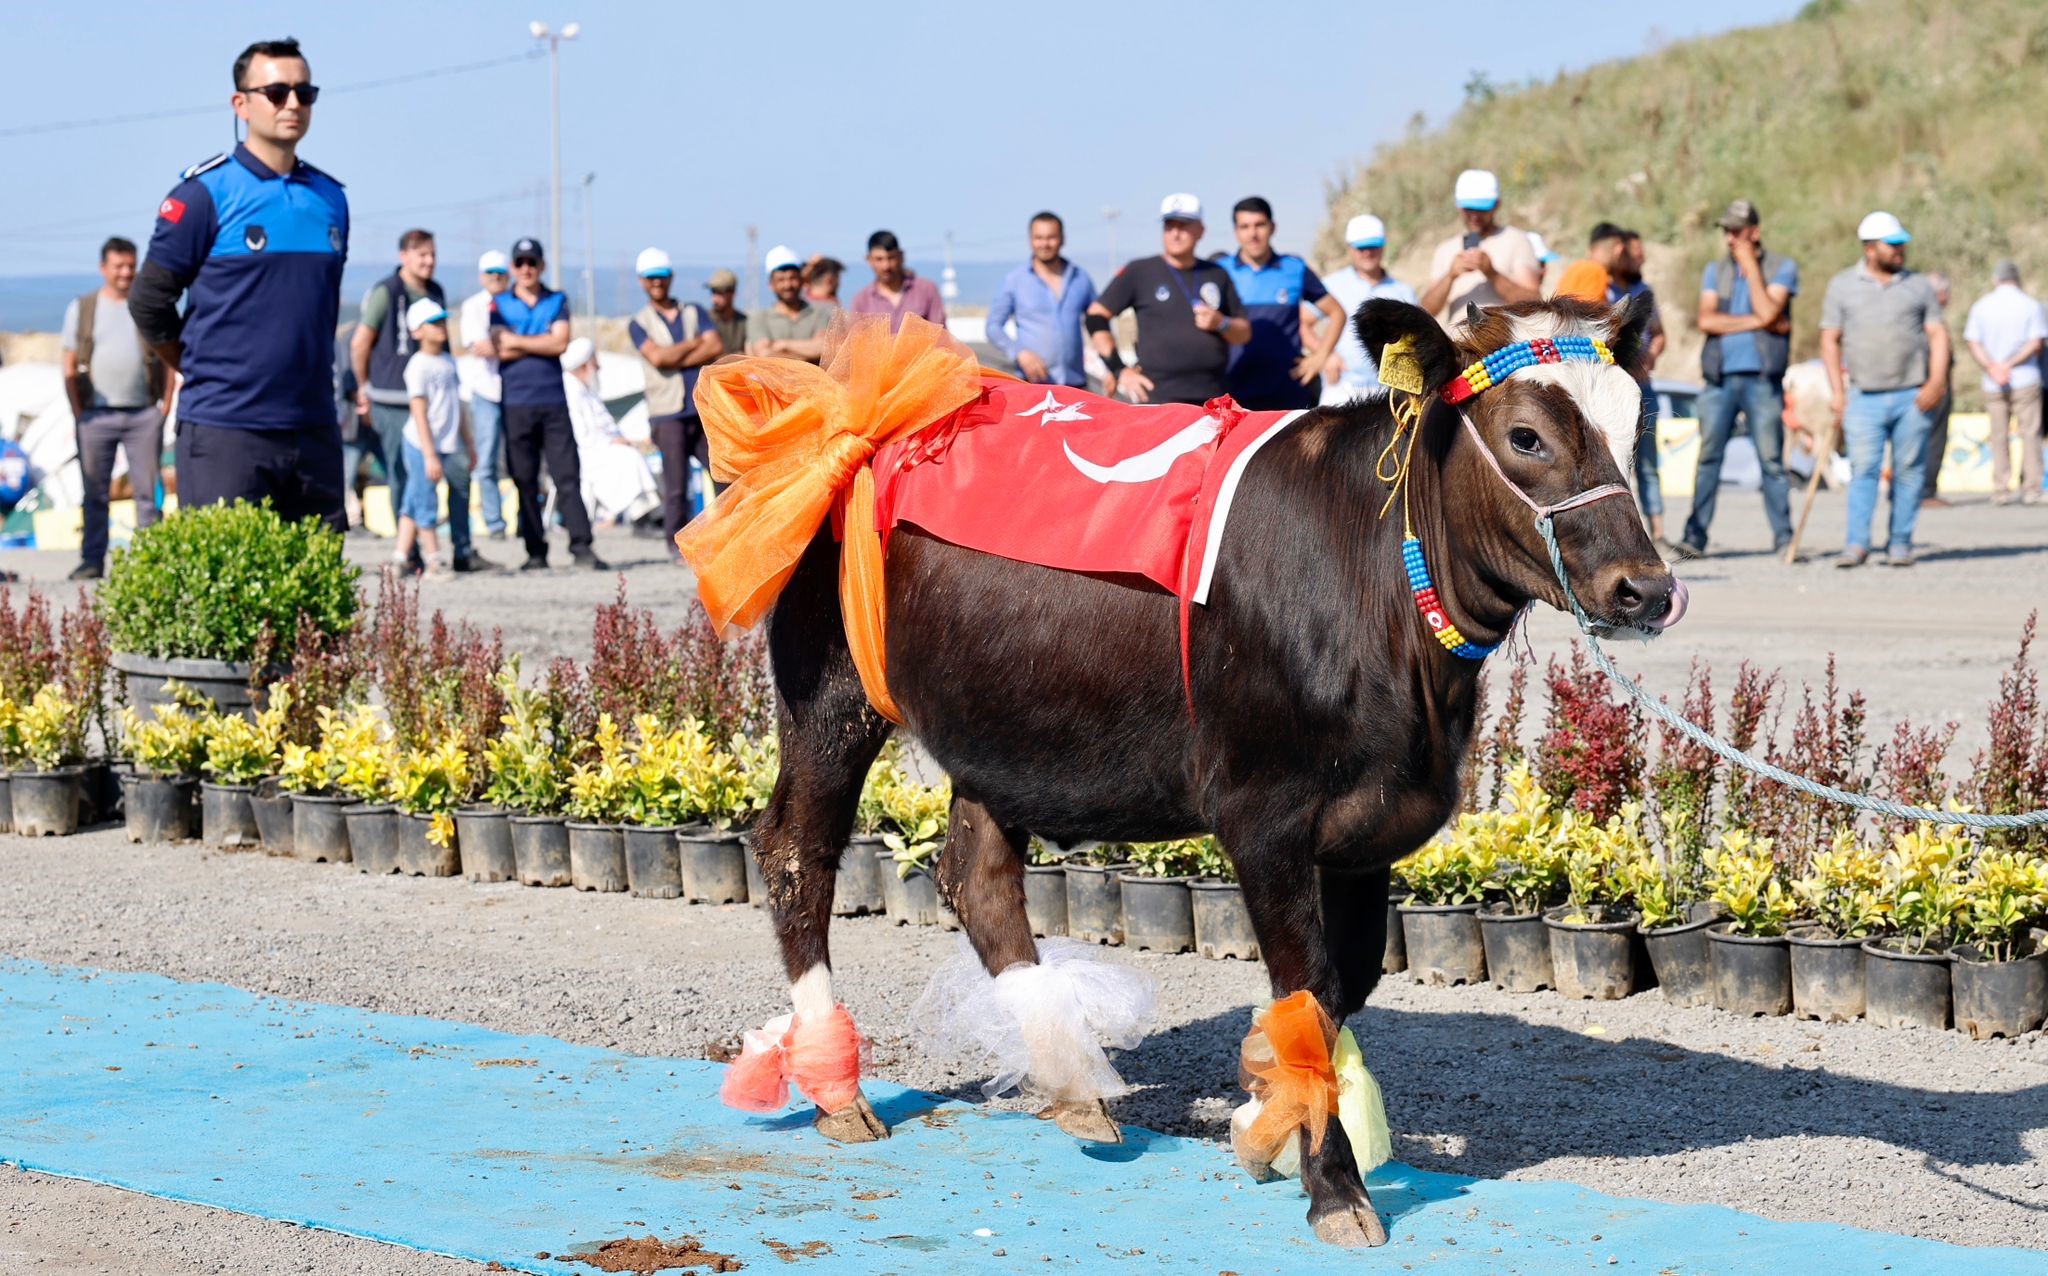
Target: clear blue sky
{"points": [[817, 122]]}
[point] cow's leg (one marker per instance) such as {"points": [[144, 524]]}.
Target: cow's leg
{"points": [[1056, 1054], [829, 737], [1355, 919], [1275, 868]]}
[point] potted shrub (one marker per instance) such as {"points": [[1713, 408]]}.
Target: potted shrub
{"points": [[597, 798], [1752, 963], [48, 789], [859, 886], [1525, 847], [1446, 881], [1906, 973], [1673, 927], [1045, 890], [525, 779], [269, 802], [359, 744], [1839, 893], [1394, 956], [1095, 896], [2000, 973], [1592, 932], [657, 787], [426, 787], [760, 761], [1158, 912], [1223, 925], [192, 598], [162, 804], [10, 758], [720, 799], [916, 817], [307, 774], [238, 753]]}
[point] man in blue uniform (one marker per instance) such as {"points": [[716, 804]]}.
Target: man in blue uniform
{"points": [[530, 328], [259, 238], [1271, 372]]}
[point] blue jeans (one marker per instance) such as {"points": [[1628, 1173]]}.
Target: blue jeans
{"points": [[1872, 419], [421, 500], [1649, 481], [487, 421], [390, 421], [1761, 401]]}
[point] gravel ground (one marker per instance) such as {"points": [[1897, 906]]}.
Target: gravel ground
{"points": [[1921, 1133]]}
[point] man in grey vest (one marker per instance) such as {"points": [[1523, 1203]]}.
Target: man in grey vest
{"points": [[674, 339], [1746, 313], [119, 397]]}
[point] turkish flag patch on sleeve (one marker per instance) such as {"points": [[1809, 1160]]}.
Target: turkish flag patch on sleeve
{"points": [[171, 210]]}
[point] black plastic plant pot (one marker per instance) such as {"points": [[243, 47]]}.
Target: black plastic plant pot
{"points": [[1999, 998], [597, 857], [1444, 944], [101, 795], [1681, 962], [373, 837], [654, 865], [1752, 974], [714, 866], [162, 809], [1395, 959], [757, 885], [1158, 913], [273, 810], [320, 828], [1223, 925], [1095, 903], [1593, 961], [912, 900], [1045, 899], [48, 803], [1827, 976], [1905, 990], [483, 835], [417, 854], [226, 819], [857, 886], [540, 849], [6, 802], [1517, 949]]}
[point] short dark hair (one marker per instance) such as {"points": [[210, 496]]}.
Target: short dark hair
{"points": [[414, 238], [1047, 215], [1631, 235], [884, 240], [822, 267], [1252, 204], [116, 244], [1605, 231], [285, 48]]}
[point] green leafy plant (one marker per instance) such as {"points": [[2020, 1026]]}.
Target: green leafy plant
{"points": [[238, 751], [1922, 887], [170, 744], [1600, 865], [915, 817], [760, 762], [2003, 894], [1040, 853], [1182, 857], [598, 786], [1748, 883], [208, 582], [53, 729], [1841, 888], [359, 752], [434, 781], [1524, 842], [1449, 870], [522, 762]]}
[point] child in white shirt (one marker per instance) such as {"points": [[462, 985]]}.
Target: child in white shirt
{"points": [[438, 431]]}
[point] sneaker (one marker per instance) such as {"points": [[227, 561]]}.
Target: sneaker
{"points": [[497, 533], [1899, 558], [474, 562], [534, 563], [437, 571], [1854, 556], [87, 571], [1685, 551], [588, 558]]}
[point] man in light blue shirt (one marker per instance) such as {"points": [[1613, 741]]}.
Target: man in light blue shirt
{"points": [[1046, 297]]}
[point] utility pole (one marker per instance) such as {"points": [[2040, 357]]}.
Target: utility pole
{"points": [[589, 251], [1110, 215], [553, 39], [753, 293], [949, 279]]}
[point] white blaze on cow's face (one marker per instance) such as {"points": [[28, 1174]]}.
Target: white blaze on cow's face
{"points": [[1608, 395]]}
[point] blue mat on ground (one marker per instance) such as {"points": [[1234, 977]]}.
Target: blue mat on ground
{"points": [[454, 1139]]}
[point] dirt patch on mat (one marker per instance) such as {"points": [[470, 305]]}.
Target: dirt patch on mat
{"points": [[790, 1253], [645, 1255]]}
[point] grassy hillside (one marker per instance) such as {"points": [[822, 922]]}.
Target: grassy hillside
{"points": [[1936, 111]]}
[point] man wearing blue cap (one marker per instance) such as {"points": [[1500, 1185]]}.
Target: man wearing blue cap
{"points": [[530, 329], [1881, 328], [1349, 374], [674, 339]]}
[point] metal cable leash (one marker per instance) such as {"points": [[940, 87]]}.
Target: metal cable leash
{"points": [[1729, 753]]}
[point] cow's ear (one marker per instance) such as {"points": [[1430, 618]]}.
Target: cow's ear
{"points": [[1414, 334], [1631, 330]]}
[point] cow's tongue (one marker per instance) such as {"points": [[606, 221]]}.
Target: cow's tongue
{"points": [[1676, 611]]}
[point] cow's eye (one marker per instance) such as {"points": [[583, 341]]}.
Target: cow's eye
{"points": [[1526, 441]]}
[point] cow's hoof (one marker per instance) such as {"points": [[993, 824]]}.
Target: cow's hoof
{"points": [[1350, 1225], [854, 1124], [1085, 1119]]}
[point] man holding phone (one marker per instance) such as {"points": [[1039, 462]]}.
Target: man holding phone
{"points": [[1189, 316], [1489, 264]]}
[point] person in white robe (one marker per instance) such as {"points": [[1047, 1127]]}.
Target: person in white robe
{"points": [[618, 484]]}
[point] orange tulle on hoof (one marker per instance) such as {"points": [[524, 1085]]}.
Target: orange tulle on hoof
{"points": [[1285, 1064], [822, 1059]]}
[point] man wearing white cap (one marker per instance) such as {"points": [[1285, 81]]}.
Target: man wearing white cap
{"points": [[482, 389], [616, 483], [674, 339], [1188, 312], [1349, 374], [1489, 264], [793, 327], [1881, 328]]}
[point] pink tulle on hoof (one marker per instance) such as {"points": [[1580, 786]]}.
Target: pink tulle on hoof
{"points": [[822, 1059]]}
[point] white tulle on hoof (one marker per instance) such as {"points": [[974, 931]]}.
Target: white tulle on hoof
{"points": [[1045, 1025]]}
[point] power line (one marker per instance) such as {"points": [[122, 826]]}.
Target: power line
{"points": [[138, 117]]}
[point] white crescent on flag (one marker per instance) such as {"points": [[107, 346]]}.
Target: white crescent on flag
{"points": [[1151, 464]]}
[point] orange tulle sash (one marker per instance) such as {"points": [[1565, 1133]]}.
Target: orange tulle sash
{"points": [[822, 1059], [1285, 1064], [795, 441]]}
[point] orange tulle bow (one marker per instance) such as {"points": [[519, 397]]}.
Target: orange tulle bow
{"points": [[795, 440], [1285, 1064], [822, 1059]]}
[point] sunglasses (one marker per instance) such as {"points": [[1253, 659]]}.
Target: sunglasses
{"points": [[534, 262], [278, 94]]}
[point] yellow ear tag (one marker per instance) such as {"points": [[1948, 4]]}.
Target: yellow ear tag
{"points": [[1399, 368]]}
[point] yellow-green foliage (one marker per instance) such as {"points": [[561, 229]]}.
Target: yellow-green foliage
{"points": [[1524, 843], [356, 748], [1182, 857], [237, 750], [1746, 880], [522, 765], [1602, 863], [1450, 869], [53, 728], [172, 742], [2003, 894], [1922, 885], [913, 816], [434, 782], [598, 786], [1841, 889]]}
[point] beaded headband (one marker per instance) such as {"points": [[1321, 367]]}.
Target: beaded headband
{"points": [[1508, 360]]}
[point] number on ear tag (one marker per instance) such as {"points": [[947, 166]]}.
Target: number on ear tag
{"points": [[1399, 368]]}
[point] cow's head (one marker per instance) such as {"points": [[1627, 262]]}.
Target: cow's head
{"points": [[1555, 430]]}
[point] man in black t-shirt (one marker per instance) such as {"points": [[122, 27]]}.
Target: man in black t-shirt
{"points": [[1188, 311]]}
